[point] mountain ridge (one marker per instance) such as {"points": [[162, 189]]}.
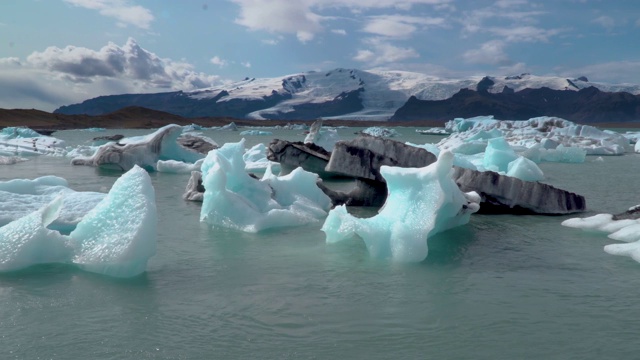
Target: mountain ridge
{"points": [[347, 94]]}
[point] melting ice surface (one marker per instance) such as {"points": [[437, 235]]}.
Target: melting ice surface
{"points": [[115, 238], [421, 202], [627, 230], [21, 197], [24, 141], [469, 136], [119, 235], [235, 200]]}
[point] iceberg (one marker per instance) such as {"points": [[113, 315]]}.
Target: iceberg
{"points": [[468, 135], [119, 235], [421, 202], [144, 151], [256, 161], [115, 238], [178, 167], [10, 160], [255, 133], [233, 199], [22, 141], [380, 132], [325, 138], [27, 241], [20, 197]]}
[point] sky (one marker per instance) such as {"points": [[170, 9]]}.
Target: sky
{"points": [[59, 52]]}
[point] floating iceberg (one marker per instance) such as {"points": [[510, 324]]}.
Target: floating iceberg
{"points": [[178, 167], [144, 151], [27, 241], [421, 203], [119, 235], [10, 160], [235, 200], [255, 133], [622, 227], [115, 238], [325, 138], [20, 197], [24, 141], [468, 135], [380, 132], [256, 161]]}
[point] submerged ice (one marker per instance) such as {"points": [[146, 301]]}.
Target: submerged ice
{"points": [[235, 200], [421, 203], [115, 238]]}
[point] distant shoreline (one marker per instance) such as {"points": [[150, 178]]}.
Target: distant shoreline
{"points": [[142, 118]]}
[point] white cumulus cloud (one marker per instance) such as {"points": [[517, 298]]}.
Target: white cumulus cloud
{"points": [[491, 52], [381, 52], [216, 60], [121, 10]]}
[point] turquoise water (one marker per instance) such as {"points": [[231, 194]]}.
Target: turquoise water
{"points": [[501, 287]]}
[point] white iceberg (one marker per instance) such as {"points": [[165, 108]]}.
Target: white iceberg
{"points": [[255, 133], [623, 229], [178, 167], [115, 238], [27, 241], [326, 138], [235, 200], [22, 141], [256, 161], [119, 235], [421, 203], [20, 197], [380, 131]]}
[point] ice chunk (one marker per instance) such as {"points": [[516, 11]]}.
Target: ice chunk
{"points": [[325, 138], [178, 167], [524, 169], [20, 197], [144, 151], [421, 202], [24, 141], [380, 131], [255, 133], [27, 241], [498, 155], [118, 236], [235, 200], [10, 160], [256, 161]]}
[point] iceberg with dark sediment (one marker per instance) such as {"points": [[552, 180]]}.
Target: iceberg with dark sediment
{"points": [[144, 151], [421, 202], [380, 131], [20, 141], [236, 200]]}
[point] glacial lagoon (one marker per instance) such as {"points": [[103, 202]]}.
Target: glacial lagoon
{"points": [[500, 287]]}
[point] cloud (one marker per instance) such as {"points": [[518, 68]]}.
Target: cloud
{"points": [[121, 10], [525, 33], [246, 64], [86, 73], [216, 60], [344, 32], [491, 53], [611, 72], [279, 16], [304, 19], [382, 52], [399, 25], [606, 22], [503, 4]]}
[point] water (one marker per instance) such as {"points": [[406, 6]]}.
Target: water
{"points": [[501, 287]]}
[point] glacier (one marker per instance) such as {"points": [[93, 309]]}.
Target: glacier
{"points": [[115, 238], [233, 199], [421, 202]]}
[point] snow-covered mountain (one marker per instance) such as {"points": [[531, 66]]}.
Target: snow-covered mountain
{"points": [[340, 93]]}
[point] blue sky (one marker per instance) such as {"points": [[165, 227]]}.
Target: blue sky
{"points": [[56, 52]]}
